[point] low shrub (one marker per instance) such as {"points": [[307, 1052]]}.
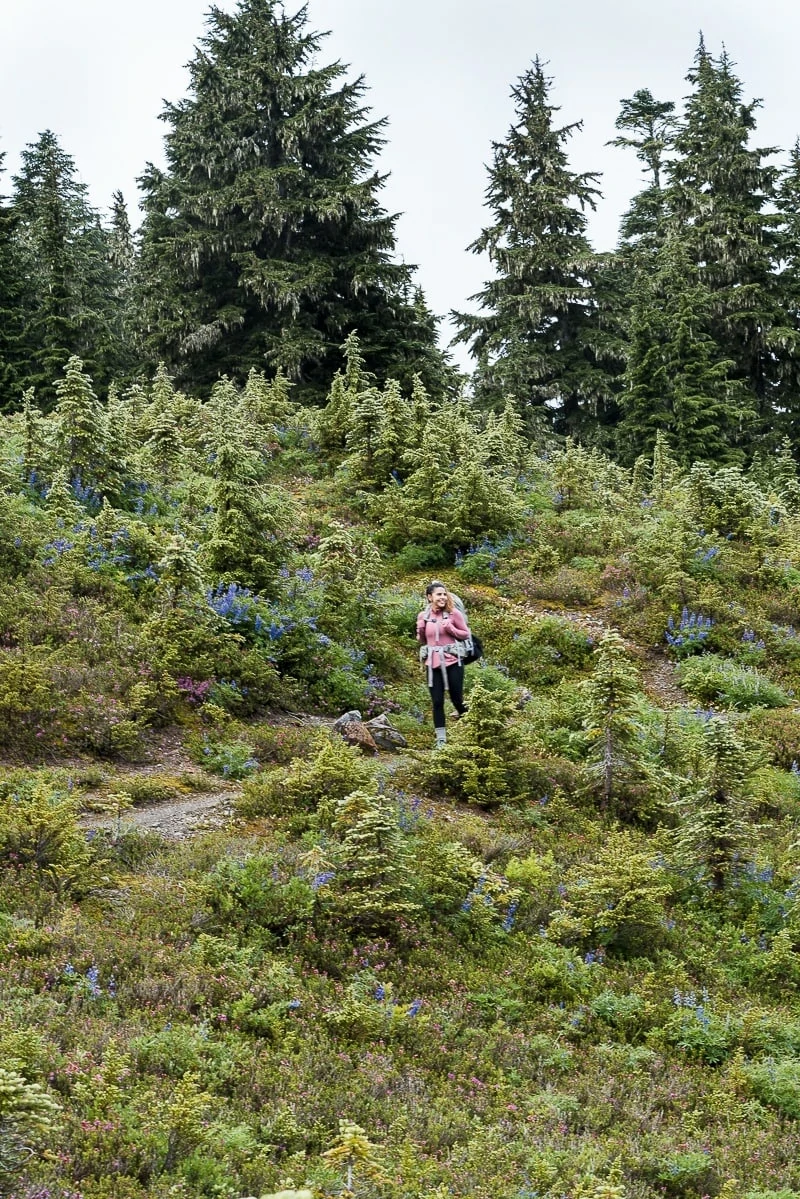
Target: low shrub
{"points": [[158, 788], [247, 895], [281, 744], [778, 731], [231, 759], [420, 557], [617, 901], [701, 1035], [715, 680], [547, 650], [777, 1084], [335, 771], [477, 568], [565, 585]]}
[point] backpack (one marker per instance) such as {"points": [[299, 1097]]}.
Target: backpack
{"points": [[473, 646]]}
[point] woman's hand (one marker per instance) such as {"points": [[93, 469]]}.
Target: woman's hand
{"points": [[455, 627]]}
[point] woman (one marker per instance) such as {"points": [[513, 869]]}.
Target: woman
{"points": [[442, 629]]}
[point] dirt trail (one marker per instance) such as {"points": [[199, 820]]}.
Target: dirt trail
{"points": [[188, 815], [185, 815], [173, 819], [658, 673]]}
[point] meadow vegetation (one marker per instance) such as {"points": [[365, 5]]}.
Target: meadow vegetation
{"points": [[558, 958]]}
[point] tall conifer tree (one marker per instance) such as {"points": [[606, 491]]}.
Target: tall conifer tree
{"points": [[719, 195], [647, 126], [677, 381], [787, 353], [537, 336], [12, 296], [64, 250], [264, 241]]}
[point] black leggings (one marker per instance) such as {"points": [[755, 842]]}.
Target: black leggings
{"points": [[455, 681]]}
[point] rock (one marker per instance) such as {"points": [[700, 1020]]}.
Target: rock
{"points": [[384, 734], [355, 732], [346, 718]]}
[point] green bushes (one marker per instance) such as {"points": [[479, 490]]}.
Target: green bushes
{"points": [[247, 895], [39, 831], [722, 681], [547, 650], [480, 763], [334, 772], [617, 901], [777, 1084]]}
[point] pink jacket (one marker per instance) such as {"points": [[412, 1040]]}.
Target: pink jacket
{"points": [[443, 630]]}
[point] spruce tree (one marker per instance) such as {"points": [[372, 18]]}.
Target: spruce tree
{"points": [[250, 519], [366, 420], [609, 718], [180, 577], [719, 196], [677, 380], [537, 336], [714, 831], [647, 126], [65, 252], [264, 242], [787, 254], [81, 436], [374, 881], [394, 433], [122, 258], [12, 308]]}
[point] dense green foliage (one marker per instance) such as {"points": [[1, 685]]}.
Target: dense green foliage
{"points": [[264, 241], [265, 247], [538, 337], [560, 954], [557, 957]]}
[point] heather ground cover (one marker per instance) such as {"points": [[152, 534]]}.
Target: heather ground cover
{"points": [[559, 957]]}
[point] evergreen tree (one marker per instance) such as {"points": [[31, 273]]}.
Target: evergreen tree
{"points": [[394, 433], [537, 337], [264, 241], [452, 497], [332, 424], [180, 577], [478, 763], [250, 519], [366, 420], [348, 566], [12, 306], [787, 254], [374, 880], [676, 380], [64, 249], [719, 197], [610, 713], [665, 468], [646, 125], [121, 249], [267, 406], [714, 832], [81, 428]]}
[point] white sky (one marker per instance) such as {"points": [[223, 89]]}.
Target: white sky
{"points": [[97, 71]]}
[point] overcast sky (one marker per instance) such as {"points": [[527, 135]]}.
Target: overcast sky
{"points": [[97, 71]]}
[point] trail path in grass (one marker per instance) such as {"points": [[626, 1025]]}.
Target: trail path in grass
{"points": [[172, 819], [185, 815], [212, 807], [657, 672]]}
